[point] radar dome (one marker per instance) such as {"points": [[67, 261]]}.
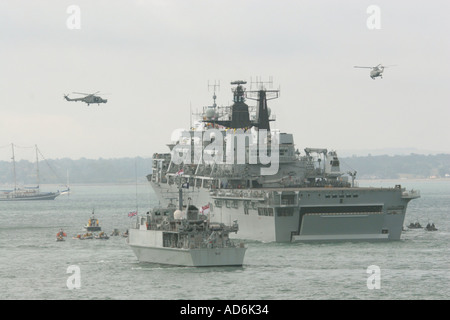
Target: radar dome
{"points": [[178, 214], [210, 113]]}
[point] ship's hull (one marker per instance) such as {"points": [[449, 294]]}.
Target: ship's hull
{"points": [[42, 196], [305, 214], [198, 257], [92, 229]]}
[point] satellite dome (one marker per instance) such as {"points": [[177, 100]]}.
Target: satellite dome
{"points": [[178, 214], [210, 113]]}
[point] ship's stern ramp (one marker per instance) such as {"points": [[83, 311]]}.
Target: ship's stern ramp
{"points": [[330, 223]]}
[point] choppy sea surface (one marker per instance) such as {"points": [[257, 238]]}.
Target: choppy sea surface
{"points": [[34, 266]]}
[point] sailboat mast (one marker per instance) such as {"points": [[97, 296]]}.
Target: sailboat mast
{"points": [[37, 166], [14, 167], [135, 174]]}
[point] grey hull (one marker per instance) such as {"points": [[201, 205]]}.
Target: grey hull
{"points": [[198, 257], [313, 214]]}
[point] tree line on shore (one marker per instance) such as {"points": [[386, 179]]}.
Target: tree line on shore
{"points": [[131, 170]]}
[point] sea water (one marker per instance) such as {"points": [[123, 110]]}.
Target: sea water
{"points": [[34, 266]]}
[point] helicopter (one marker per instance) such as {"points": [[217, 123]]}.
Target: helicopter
{"points": [[376, 71], [89, 98]]}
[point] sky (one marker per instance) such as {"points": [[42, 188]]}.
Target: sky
{"points": [[153, 60]]}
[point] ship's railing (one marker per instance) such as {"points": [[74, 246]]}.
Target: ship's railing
{"points": [[411, 194], [244, 193], [287, 158]]}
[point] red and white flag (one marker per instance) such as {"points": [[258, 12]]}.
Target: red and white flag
{"points": [[205, 209], [132, 214], [180, 172]]}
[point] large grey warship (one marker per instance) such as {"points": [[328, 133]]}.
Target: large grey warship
{"points": [[306, 198]]}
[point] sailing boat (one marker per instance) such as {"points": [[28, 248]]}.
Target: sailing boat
{"points": [[27, 193]]}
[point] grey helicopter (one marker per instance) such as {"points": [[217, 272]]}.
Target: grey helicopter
{"points": [[376, 71], [89, 98]]}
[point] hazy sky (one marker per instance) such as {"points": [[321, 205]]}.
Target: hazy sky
{"points": [[155, 58]]}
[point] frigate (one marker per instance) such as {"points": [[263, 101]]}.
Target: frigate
{"points": [[184, 237], [232, 161]]}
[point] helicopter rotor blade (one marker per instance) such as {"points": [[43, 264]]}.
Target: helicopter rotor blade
{"points": [[88, 94], [363, 67]]}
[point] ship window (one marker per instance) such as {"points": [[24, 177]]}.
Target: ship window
{"points": [[355, 196], [373, 209], [285, 212], [348, 195], [327, 196], [265, 212], [288, 199], [218, 203], [235, 204], [334, 196]]}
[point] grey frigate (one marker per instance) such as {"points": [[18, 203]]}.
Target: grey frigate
{"points": [[184, 237], [306, 198]]}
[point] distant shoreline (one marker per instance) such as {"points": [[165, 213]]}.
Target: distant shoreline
{"points": [[128, 170], [145, 184]]}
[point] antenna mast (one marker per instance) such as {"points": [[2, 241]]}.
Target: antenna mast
{"points": [[260, 85], [215, 85]]}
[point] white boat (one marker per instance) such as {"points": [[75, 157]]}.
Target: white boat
{"points": [[28, 193]]}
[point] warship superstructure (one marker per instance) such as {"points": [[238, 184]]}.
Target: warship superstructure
{"points": [[232, 161]]}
